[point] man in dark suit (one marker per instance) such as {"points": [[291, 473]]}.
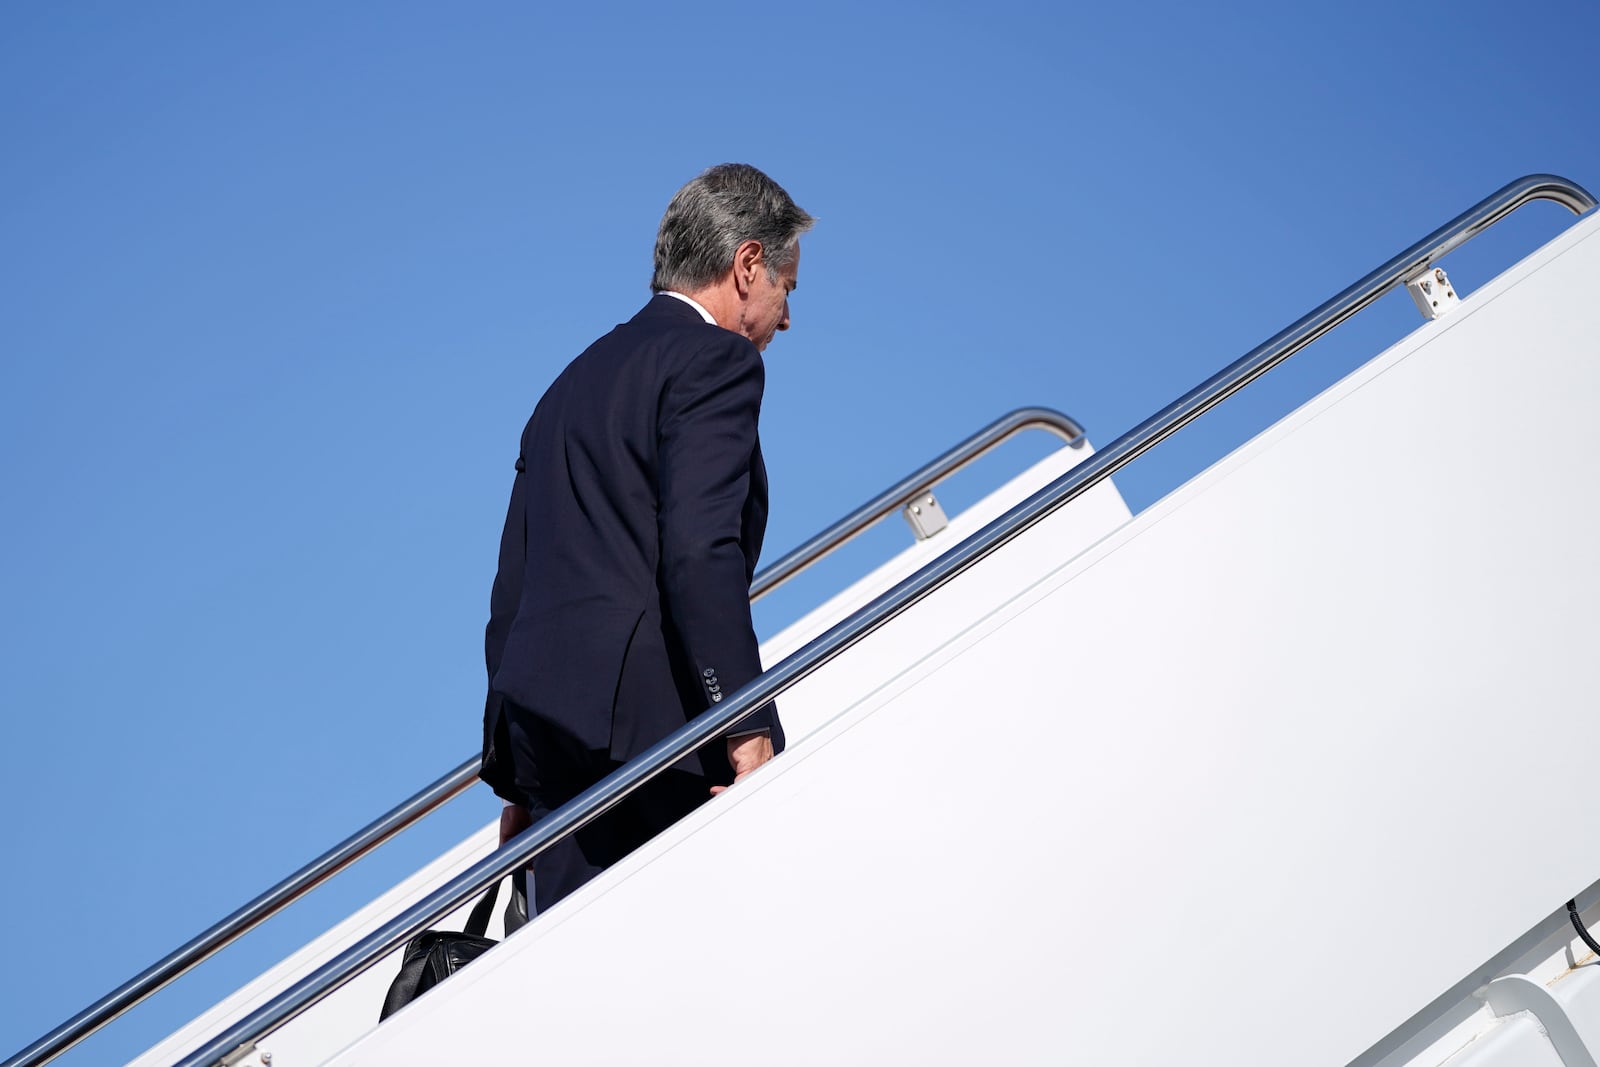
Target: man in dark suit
{"points": [[621, 607]]}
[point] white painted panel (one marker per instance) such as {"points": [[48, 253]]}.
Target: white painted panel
{"points": [[814, 702], [1250, 782]]}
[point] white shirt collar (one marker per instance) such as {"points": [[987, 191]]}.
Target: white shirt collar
{"points": [[704, 314]]}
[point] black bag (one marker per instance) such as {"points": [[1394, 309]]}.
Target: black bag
{"points": [[434, 955]]}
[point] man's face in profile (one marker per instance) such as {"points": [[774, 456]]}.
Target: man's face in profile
{"points": [[767, 310]]}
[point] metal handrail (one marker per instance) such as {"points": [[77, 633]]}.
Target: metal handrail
{"points": [[918, 481], [234, 926], [606, 793]]}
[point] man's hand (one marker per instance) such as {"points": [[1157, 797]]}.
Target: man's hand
{"points": [[746, 753], [514, 819]]}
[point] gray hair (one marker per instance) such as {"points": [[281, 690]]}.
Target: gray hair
{"points": [[709, 218]]}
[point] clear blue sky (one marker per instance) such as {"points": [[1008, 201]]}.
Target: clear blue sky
{"points": [[279, 285]]}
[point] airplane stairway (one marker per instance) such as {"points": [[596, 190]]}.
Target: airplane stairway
{"points": [[1258, 778], [1290, 767]]}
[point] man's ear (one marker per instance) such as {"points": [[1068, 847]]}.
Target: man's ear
{"points": [[746, 261]]}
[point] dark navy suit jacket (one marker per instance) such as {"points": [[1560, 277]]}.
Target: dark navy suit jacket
{"points": [[621, 607]]}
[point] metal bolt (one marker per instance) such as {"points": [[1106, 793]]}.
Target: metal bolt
{"points": [[266, 1059], [915, 510], [1439, 274]]}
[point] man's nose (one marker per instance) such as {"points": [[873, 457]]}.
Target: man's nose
{"points": [[783, 323]]}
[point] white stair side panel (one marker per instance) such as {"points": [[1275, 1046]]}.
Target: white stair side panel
{"points": [[813, 702], [1250, 782], [1094, 514]]}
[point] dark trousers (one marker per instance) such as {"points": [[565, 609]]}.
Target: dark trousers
{"points": [[551, 769]]}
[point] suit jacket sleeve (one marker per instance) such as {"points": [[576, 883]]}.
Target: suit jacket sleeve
{"points": [[504, 598], [707, 444]]}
